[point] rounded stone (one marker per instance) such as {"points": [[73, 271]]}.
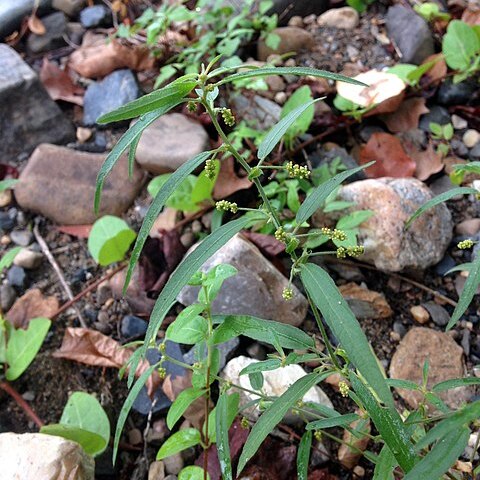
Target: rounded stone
{"points": [[292, 39]]}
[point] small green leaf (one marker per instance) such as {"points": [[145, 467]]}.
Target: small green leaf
{"points": [[166, 98], [223, 445], [385, 465], [339, 421], [300, 97], [460, 45], [189, 327], [303, 455], [8, 258], [181, 440], [354, 219], [256, 380], [405, 384], [455, 383], [274, 414], [180, 405], [8, 183], [263, 366], [192, 473], [110, 240], [278, 131], [91, 443], [439, 199], [319, 194], [23, 346], [230, 409]]}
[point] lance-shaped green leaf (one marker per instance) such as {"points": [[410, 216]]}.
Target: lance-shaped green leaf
{"points": [[385, 466], [442, 456], [8, 258], [279, 130], [223, 446], [338, 421], [130, 137], [342, 322], [299, 71], [388, 423], [264, 366], [181, 440], [303, 455], [469, 291], [181, 403], [274, 414], [455, 383], [186, 269], [443, 197], [170, 95], [319, 194], [157, 205]]}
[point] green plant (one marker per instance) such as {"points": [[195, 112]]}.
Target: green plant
{"points": [[8, 183], [110, 239], [430, 11], [360, 5], [84, 421], [416, 444], [461, 48], [443, 133]]}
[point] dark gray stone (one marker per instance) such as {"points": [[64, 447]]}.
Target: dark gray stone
{"points": [[7, 297], [56, 28], [459, 148], [133, 326], [113, 91], [6, 221], [227, 350], [399, 327], [451, 93], [411, 34], [474, 154], [12, 12], [444, 265], [29, 116], [259, 111], [366, 131], [70, 7], [95, 16], [437, 114], [439, 315], [17, 277], [22, 237]]}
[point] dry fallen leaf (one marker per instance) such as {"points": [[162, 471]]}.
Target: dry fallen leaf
{"points": [[31, 305], [228, 182], [93, 348], [471, 15], [390, 157], [35, 25], [348, 457], [438, 71], [427, 161], [79, 231], [166, 221], [59, 85], [266, 243], [406, 117]]}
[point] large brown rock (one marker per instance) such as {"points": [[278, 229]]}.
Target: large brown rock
{"points": [[43, 457], [292, 39], [365, 303], [445, 359], [255, 290], [388, 245], [169, 142], [59, 183]]}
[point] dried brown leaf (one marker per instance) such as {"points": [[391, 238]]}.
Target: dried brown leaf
{"points": [[59, 85], [228, 182], [348, 457], [31, 305], [428, 162], [438, 71], [79, 231], [406, 117], [93, 348], [471, 15], [35, 25], [389, 156]]}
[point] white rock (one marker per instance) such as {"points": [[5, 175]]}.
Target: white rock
{"points": [[28, 259], [459, 123], [34, 456], [471, 138], [275, 383], [346, 18]]}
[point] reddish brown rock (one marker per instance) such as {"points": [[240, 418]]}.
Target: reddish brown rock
{"points": [[445, 359], [292, 39], [59, 183], [365, 303]]}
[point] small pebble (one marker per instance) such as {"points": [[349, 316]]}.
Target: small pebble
{"points": [[6, 221], [5, 198], [16, 276], [28, 259], [133, 326], [173, 464], [135, 436], [280, 98], [7, 297], [459, 123], [359, 471], [187, 239], [196, 226], [29, 396], [104, 292], [420, 314], [471, 138], [296, 21], [21, 237], [83, 134], [5, 240], [156, 471]]}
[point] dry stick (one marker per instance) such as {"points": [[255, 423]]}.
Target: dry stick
{"points": [[419, 285], [91, 287], [6, 387], [56, 267]]}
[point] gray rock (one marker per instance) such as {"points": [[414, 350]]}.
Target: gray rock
{"points": [[56, 27], [451, 93], [69, 7], [439, 315], [257, 110], [474, 153], [7, 222], [173, 464], [41, 119], [411, 34], [326, 157], [346, 18], [115, 90], [437, 114], [226, 349], [59, 183], [95, 16], [133, 326], [256, 280], [16, 277], [12, 12], [169, 142], [292, 39], [393, 200], [459, 148], [28, 259], [35, 455], [21, 237], [275, 383], [7, 297]]}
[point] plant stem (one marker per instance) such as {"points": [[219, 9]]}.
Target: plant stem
{"points": [[6, 387]]}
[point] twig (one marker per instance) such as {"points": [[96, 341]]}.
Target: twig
{"points": [[419, 285], [6, 387], [58, 271], [91, 287]]}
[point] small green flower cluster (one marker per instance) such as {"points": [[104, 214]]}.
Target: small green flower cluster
{"points": [[344, 389], [287, 293], [210, 168], [228, 117], [281, 235], [334, 234], [296, 171], [464, 244], [192, 107], [226, 206], [354, 252]]}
